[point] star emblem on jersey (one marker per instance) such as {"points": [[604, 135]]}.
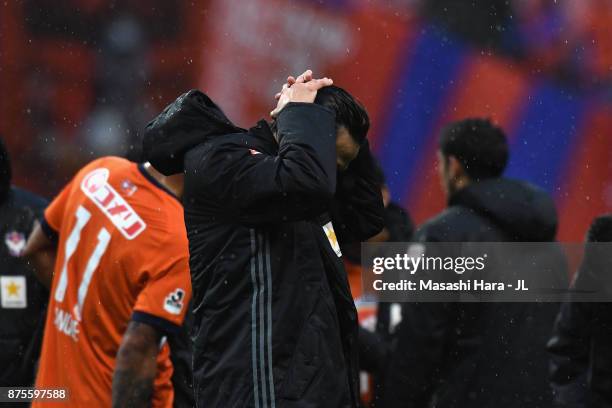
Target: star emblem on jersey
{"points": [[15, 242], [13, 289], [13, 292], [173, 303]]}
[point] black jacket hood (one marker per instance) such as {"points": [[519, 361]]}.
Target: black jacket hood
{"points": [[188, 121], [522, 210]]}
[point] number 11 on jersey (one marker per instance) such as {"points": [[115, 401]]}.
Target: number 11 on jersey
{"points": [[82, 218]]}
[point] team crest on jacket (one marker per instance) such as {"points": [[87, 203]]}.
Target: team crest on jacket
{"points": [[15, 242], [173, 303]]}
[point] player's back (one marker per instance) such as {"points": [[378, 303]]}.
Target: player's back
{"points": [[121, 240]]}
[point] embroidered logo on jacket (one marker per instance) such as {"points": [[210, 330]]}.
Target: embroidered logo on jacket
{"points": [[15, 242]]}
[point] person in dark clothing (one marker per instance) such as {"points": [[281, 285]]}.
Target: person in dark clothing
{"points": [[581, 344], [22, 298], [265, 209], [398, 226], [468, 355], [376, 334]]}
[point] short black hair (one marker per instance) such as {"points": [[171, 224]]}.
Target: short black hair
{"points": [[479, 145], [5, 171], [350, 113], [600, 229]]}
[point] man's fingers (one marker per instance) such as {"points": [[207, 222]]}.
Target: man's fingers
{"points": [[302, 90], [305, 77], [320, 83], [290, 81], [308, 76], [278, 94]]}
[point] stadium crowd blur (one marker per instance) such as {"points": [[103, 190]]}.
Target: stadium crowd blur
{"points": [[85, 76]]}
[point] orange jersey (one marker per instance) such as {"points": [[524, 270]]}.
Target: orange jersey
{"points": [[122, 255]]}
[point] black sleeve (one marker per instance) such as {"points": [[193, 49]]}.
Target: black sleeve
{"points": [[570, 344], [298, 183], [373, 351], [181, 357], [164, 326], [569, 349], [399, 223], [419, 354], [357, 210], [49, 232]]}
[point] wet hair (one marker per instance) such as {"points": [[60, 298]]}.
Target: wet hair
{"points": [[480, 146], [5, 171], [350, 113]]}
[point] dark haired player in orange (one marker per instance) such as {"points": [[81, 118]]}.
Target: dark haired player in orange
{"points": [[121, 284]]}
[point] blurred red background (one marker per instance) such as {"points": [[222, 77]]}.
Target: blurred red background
{"points": [[81, 79]]}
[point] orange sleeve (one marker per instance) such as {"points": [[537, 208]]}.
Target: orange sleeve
{"points": [[54, 213], [165, 296]]}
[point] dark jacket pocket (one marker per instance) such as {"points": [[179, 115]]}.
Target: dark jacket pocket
{"points": [[308, 357]]}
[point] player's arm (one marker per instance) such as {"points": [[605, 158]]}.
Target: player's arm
{"points": [[159, 311], [136, 366], [297, 183], [40, 251], [358, 211], [41, 247]]}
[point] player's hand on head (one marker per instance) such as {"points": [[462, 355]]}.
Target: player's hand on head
{"points": [[304, 90], [305, 77]]}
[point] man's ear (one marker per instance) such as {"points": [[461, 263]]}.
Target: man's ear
{"points": [[455, 168]]}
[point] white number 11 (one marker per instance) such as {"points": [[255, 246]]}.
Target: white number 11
{"points": [[82, 216]]}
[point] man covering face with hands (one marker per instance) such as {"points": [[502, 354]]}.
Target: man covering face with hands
{"points": [[265, 211]]}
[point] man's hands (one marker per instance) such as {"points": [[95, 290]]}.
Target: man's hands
{"points": [[301, 89]]}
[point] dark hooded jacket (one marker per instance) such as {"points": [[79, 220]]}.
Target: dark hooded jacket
{"points": [[274, 321], [22, 314], [581, 344], [479, 355]]}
